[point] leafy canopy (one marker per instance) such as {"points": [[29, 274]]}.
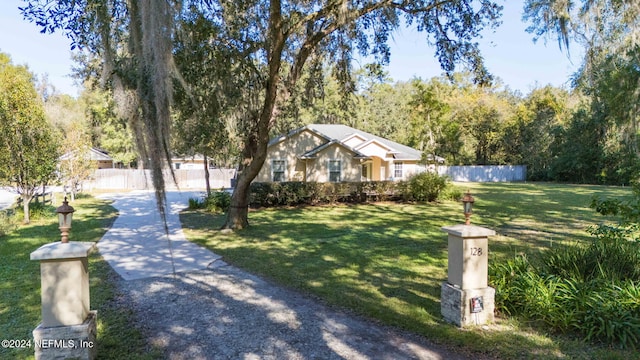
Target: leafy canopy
{"points": [[28, 151]]}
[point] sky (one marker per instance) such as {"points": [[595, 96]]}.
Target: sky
{"points": [[510, 53]]}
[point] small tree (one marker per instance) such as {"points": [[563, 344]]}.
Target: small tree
{"points": [[27, 148], [76, 165]]}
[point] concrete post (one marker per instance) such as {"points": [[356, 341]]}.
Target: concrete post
{"points": [[466, 298], [68, 328]]}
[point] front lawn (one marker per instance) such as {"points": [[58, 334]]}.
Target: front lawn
{"points": [[387, 261]]}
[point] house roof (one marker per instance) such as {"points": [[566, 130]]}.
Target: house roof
{"points": [[343, 132], [337, 133], [194, 157], [313, 152], [94, 155]]}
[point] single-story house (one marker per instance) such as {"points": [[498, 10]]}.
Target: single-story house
{"points": [[100, 158], [335, 153], [187, 162]]}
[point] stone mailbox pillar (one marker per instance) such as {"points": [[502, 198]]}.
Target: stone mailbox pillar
{"points": [[466, 298], [68, 328]]}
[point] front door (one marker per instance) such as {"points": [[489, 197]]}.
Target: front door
{"points": [[366, 172]]}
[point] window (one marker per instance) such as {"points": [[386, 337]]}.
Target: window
{"points": [[278, 168], [397, 171], [335, 171]]}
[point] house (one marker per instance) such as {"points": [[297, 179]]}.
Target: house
{"points": [[187, 162], [100, 158], [335, 153]]}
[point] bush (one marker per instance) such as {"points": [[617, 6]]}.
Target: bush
{"points": [[451, 192], [310, 193], [593, 290], [218, 202], [195, 204], [422, 187], [7, 222], [37, 211], [426, 186]]}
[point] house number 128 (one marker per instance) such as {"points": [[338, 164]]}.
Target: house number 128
{"points": [[476, 251]]}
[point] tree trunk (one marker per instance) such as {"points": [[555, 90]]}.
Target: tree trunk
{"points": [[255, 146], [25, 207], [238, 214], [254, 155], [206, 175]]}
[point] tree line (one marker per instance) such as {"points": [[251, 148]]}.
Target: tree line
{"points": [[558, 133], [567, 135], [225, 75]]}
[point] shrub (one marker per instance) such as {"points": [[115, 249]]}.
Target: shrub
{"points": [[195, 204], [592, 290], [37, 211], [218, 202], [426, 186], [311, 193], [422, 187], [451, 192], [7, 222]]}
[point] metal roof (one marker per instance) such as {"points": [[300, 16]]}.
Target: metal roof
{"points": [[338, 133], [342, 132]]}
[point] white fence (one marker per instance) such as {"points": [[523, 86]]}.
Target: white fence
{"points": [[141, 179], [492, 173]]}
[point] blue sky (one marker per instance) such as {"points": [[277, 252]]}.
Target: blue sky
{"points": [[509, 52]]}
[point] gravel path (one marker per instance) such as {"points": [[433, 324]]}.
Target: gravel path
{"points": [[218, 311]]}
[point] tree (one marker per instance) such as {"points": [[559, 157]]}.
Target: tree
{"points": [[609, 30], [382, 105], [273, 39], [76, 165], [299, 30], [430, 118], [541, 119], [200, 126], [28, 151], [67, 116]]}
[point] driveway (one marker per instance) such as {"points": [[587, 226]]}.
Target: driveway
{"points": [[192, 305], [137, 246], [7, 198]]}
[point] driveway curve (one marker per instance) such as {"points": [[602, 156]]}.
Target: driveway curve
{"points": [[206, 309]]}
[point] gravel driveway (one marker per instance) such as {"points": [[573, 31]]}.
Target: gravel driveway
{"points": [[217, 311]]}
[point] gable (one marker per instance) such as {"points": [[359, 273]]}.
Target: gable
{"points": [[314, 153], [354, 140], [295, 144], [349, 135], [374, 148], [93, 154]]}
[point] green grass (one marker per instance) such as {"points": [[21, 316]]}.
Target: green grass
{"points": [[20, 285], [387, 261]]}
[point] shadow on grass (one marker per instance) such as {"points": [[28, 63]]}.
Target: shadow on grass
{"points": [[387, 261], [283, 323]]}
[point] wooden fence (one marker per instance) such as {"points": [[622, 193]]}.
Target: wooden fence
{"points": [[492, 173], [131, 179]]}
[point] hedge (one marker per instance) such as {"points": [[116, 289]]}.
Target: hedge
{"points": [[421, 187]]}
